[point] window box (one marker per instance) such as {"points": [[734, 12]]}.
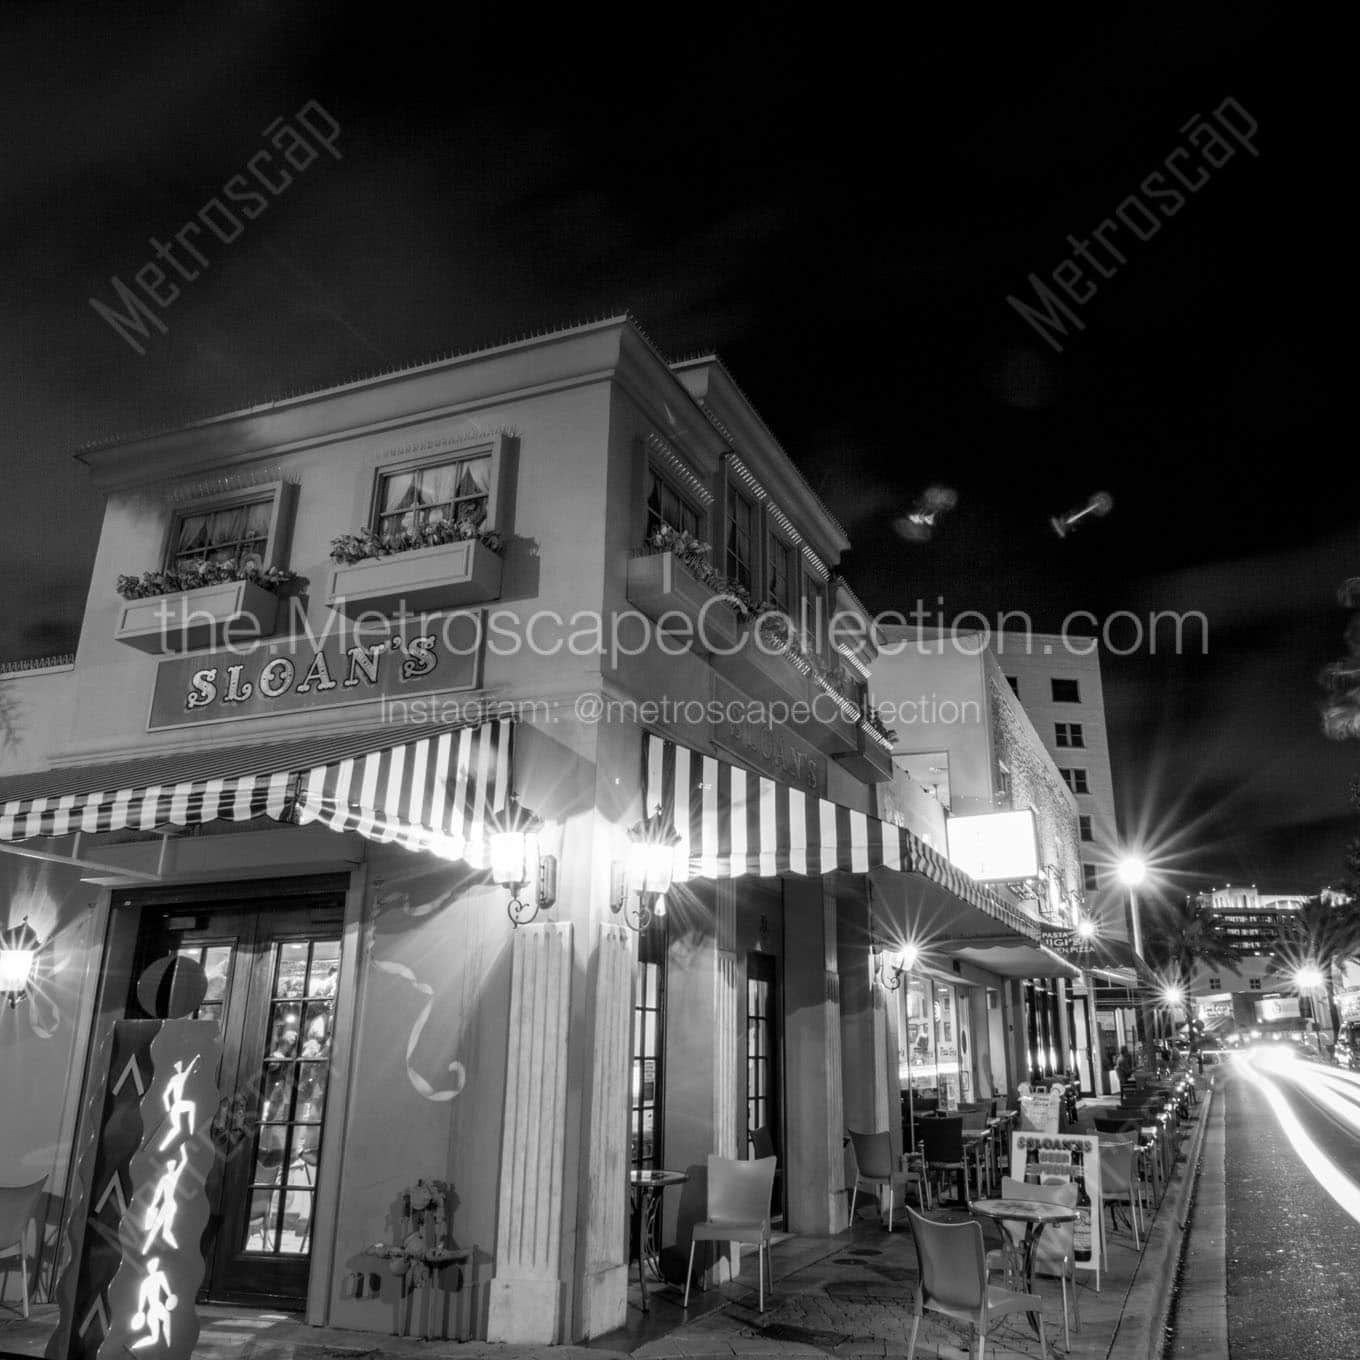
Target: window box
{"points": [[770, 678], [423, 580], [871, 760], [210, 616], [832, 730], [659, 584]]}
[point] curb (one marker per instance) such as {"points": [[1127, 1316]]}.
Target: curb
{"points": [[1141, 1334]]}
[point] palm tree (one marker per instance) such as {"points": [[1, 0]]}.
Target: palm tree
{"points": [[1179, 938], [1322, 935]]}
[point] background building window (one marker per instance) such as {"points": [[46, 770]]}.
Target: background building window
{"points": [[1014, 682], [1066, 691], [1084, 825], [666, 506], [1253, 984], [741, 517], [456, 489], [230, 533], [1089, 878], [781, 574], [1215, 984], [1068, 734], [1079, 784]]}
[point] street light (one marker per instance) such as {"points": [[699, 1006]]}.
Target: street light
{"points": [[1131, 870], [1310, 978]]}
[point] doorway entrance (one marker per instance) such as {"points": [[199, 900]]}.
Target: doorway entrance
{"points": [[272, 970], [764, 1113]]}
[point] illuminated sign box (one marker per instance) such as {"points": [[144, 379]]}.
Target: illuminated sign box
{"points": [[1278, 1008], [995, 847]]}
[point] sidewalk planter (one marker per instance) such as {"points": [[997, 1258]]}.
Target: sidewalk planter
{"points": [[660, 584], [424, 580], [871, 759], [211, 616]]}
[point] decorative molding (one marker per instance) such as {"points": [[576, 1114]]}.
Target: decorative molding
{"points": [[679, 469], [42, 663], [745, 476], [815, 564], [476, 435], [184, 493], [785, 524]]}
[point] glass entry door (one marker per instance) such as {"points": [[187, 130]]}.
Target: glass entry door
{"points": [[272, 977]]}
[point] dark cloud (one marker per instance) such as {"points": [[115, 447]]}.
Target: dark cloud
{"points": [[841, 209]]}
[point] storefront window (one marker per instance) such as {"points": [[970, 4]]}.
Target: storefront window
{"points": [[947, 1044], [916, 1064]]}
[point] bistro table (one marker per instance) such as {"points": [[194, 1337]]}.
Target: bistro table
{"points": [[646, 1188], [1019, 1256]]}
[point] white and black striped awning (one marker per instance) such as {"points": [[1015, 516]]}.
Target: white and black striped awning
{"points": [[433, 793], [732, 822]]}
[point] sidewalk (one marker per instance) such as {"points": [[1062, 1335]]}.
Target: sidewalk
{"points": [[844, 1296]]}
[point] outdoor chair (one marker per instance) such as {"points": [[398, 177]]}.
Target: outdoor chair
{"points": [[1118, 1124], [874, 1169], [739, 1195], [953, 1282], [761, 1142], [943, 1149], [975, 1124], [19, 1209], [1120, 1183], [1054, 1253]]}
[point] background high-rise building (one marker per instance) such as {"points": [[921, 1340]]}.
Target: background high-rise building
{"points": [[1057, 681]]}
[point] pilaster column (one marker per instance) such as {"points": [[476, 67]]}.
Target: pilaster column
{"points": [[813, 1111], [527, 1294], [604, 1276]]}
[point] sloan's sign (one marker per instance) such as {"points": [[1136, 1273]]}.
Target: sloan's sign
{"points": [[307, 671]]}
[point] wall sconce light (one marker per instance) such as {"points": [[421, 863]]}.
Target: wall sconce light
{"points": [[517, 862], [648, 871], [19, 947], [889, 966]]}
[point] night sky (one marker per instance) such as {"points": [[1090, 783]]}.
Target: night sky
{"points": [[840, 208]]}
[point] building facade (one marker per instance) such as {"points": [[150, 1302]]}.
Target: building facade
{"points": [[962, 735], [388, 791]]}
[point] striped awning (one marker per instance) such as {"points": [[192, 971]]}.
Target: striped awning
{"points": [[733, 822], [433, 793]]}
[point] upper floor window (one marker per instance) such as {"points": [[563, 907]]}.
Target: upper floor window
{"points": [[454, 489], [666, 506], [237, 532], [1014, 682], [1075, 780], [1068, 734], [780, 572], [1215, 983], [1084, 822], [1003, 782], [1066, 691], [1090, 878], [1254, 984], [741, 519]]}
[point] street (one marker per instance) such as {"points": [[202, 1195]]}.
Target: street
{"points": [[1293, 1197]]}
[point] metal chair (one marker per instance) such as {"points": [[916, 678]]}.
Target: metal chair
{"points": [[943, 1148], [739, 1195], [874, 1169], [1054, 1253], [19, 1210], [953, 1282], [1120, 1183]]}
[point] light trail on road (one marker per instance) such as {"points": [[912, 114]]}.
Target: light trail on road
{"points": [[1256, 1066]]}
